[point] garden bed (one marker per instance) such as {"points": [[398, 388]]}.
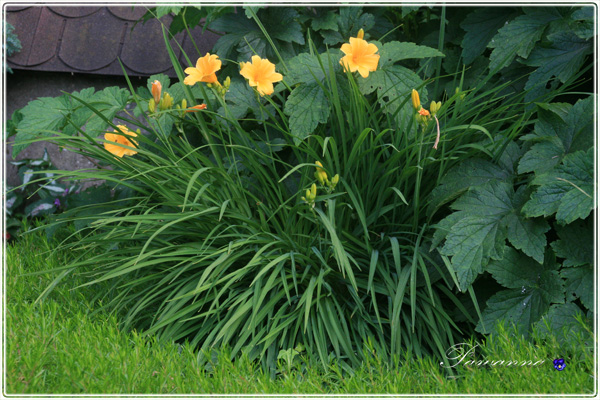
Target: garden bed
{"points": [[335, 202]]}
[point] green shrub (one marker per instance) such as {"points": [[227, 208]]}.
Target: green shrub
{"points": [[547, 268]]}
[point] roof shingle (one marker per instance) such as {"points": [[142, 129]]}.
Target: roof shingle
{"points": [[92, 40]]}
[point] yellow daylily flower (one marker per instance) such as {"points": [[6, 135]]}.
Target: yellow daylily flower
{"points": [[359, 55], [260, 74], [119, 141], [204, 71]]}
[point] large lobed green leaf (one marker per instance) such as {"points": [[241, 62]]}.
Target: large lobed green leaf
{"points": [[532, 289], [560, 129], [579, 284], [560, 322], [481, 26], [40, 118], [567, 190], [472, 172], [487, 216], [520, 35], [307, 106], [563, 59], [394, 84], [576, 243]]}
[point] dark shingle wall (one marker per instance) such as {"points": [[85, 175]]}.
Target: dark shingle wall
{"points": [[89, 39]]}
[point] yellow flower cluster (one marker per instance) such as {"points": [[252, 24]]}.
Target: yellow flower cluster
{"points": [[321, 176], [311, 195], [260, 73], [423, 115]]}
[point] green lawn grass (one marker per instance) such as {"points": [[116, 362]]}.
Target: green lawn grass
{"points": [[68, 344]]}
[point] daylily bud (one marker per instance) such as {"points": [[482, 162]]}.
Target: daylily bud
{"points": [[435, 107], [227, 83], [166, 102], [184, 104], [416, 102], [335, 180], [321, 175], [151, 105], [360, 34], [197, 108], [313, 191], [156, 91]]}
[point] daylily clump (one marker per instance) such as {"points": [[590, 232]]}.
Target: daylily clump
{"points": [[204, 71], [359, 55], [260, 74], [119, 141]]}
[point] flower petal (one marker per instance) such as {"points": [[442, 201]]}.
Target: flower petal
{"points": [[346, 48], [265, 88], [363, 71], [371, 48]]}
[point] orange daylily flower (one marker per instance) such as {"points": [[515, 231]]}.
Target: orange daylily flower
{"points": [[196, 108], [359, 55], [424, 112], [204, 71], [117, 149], [260, 74]]}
